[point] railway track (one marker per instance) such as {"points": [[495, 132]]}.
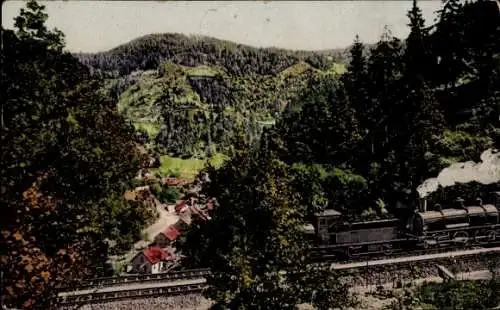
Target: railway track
{"points": [[173, 290], [179, 286], [141, 278], [328, 259], [201, 273]]}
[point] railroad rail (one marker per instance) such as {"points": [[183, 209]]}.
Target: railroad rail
{"points": [[141, 278], [181, 286], [173, 290], [328, 260], [415, 259], [201, 273]]}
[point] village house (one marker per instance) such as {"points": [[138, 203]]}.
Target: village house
{"points": [[153, 260], [196, 212], [167, 237], [181, 207]]}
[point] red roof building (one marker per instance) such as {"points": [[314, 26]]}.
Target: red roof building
{"points": [[171, 233], [172, 181], [180, 207], [195, 210], [152, 260], [155, 255]]}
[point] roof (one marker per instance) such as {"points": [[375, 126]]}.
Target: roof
{"points": [[186, 218], [196, 210], [328, 212], [130, 195], [180, 206], [173, 181], [155, 255], [171, 233]]}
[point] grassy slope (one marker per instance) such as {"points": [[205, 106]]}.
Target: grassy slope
{"points": [[187, 168], [137, 102], [140, 101]]}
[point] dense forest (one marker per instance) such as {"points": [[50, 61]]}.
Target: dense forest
{"points": [[148, 52], [303, 133], [67, 158], [191, 96]]}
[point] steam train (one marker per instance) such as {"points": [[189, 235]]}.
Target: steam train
{"points": [[457, 225]]}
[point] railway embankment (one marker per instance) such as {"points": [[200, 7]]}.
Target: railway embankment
{"points": [[387, 273], [401, 270]]}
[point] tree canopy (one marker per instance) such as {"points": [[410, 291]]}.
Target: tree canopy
{"points": [[67, 158]]}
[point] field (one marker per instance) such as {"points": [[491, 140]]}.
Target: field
{"points": [[186, 168]]}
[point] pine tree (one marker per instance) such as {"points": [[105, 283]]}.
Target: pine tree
{"points": [[356, 84], [417, 56], [448, 45], [325, 130], [422, 119], [384, 72]]}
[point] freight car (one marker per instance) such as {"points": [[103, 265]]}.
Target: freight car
{"points": [[457, 225]]}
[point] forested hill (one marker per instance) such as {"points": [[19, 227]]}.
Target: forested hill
{"points": [[195, 96], [147, 52]]}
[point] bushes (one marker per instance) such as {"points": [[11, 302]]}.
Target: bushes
{"points": [[455, 295], [166, 194]]}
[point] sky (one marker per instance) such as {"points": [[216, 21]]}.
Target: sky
{"points": [[92, 26]]}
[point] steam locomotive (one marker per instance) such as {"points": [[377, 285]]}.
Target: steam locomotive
{"points": [[457, 225]]}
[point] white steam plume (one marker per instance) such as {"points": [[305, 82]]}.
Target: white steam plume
{"points": [[485, 172]]}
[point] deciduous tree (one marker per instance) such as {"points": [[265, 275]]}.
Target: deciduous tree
{"points": [[65, 153]]}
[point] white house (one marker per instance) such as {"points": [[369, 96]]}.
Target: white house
{"points": [[152, 260]]}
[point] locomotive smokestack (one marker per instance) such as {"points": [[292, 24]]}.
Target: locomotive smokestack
{"points": [[423, 205], [479, 201], [460, 203]]}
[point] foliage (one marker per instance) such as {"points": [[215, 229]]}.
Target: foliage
{"points": [[455, 295], [360, 145], [253, 235], [196, 111], [319, 187], [67, 157], [165, 193], [322, 289], [148, 52]]}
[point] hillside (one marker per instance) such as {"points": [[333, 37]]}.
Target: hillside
{"points": [[196, 96], [147, 52]]}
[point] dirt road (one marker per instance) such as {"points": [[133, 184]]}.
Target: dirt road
{"points": [[165, 219]]}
